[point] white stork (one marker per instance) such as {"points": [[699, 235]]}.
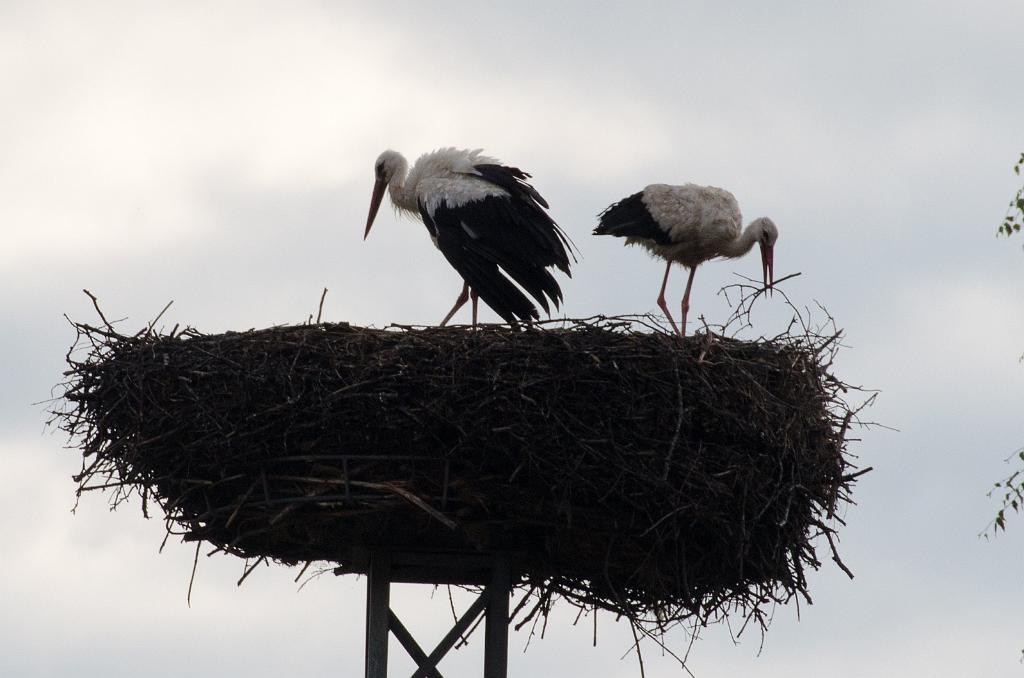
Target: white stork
{"points": [[486, 220], [688, 224]]}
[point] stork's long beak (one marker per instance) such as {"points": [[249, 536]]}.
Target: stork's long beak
{"points": [[768, 266], [375, 200]]}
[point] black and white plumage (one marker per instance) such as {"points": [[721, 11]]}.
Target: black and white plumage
{"points": [[488, 222], [688, 224]]}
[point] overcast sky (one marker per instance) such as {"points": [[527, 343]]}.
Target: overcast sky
{"points": [[220, 155]]}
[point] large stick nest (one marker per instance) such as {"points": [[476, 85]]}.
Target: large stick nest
{"points": [[622, 468]]}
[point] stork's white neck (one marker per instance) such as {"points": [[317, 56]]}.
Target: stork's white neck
{"points": [[743, 244], [402, 198]]}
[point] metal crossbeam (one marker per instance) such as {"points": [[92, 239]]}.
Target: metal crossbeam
{"points": [[428, 668], [381, 620], [468, 617]]}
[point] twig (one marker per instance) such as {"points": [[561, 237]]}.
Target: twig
{"points": [[636, 647], [249, 570], [303, 571], [96, 305], [320, 310], [195, 564], [154, 321]]}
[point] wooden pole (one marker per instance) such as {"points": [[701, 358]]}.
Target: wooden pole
{"points": [[496, 631], [378, 602]]}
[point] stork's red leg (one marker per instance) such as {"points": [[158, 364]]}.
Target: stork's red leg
{"points": [[476, 298], [686, 298], [661, 299], [463, 296]]}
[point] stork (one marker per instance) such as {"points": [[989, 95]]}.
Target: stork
{"points": [[487, 221], [688, 224]]}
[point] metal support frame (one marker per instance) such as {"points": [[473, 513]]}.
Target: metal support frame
{"points": [[385, 568]]}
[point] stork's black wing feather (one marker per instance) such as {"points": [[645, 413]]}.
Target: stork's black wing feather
{"points": [[479, 269], [510, 235], [553, 246], [512, 179], [501, 231], [486, 240], [629, 218]]}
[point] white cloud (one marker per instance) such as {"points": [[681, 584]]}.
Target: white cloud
{"points": [[125, 119]]}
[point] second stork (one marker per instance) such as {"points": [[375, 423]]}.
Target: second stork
{"points": [[487, 221], [688, 224]]}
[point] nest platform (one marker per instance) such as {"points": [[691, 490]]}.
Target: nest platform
{"points": [[618, 467]]}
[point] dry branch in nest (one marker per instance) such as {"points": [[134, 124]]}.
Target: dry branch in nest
{"points": [[623, 469]]}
